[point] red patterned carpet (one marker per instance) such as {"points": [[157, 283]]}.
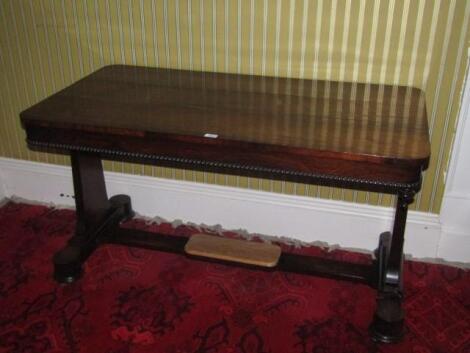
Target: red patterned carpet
{"points": [[142, 301]]}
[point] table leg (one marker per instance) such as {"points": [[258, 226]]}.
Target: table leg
{"points": [[388, 322], [96, 215]]}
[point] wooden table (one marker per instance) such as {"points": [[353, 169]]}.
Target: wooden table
{"points": [[357, 136]]}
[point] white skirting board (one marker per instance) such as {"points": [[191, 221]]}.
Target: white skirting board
{"points": [[455, 225], [348, 225], [2, 187]]}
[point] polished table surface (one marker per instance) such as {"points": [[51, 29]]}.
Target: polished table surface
{"points": [[310, 126]]}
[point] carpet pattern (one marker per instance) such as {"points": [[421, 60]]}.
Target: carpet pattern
{"points": [[134, 300]]}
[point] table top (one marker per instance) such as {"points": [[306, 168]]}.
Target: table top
{"points": [[378, 124]]}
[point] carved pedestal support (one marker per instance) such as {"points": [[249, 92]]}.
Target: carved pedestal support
{"points": [[388, 322], [98, 221], [96, 216]]}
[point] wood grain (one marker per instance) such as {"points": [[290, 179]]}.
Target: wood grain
{"points": [[374, 132], [233, 250]]}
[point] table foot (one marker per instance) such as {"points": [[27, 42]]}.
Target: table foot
{"points": [[384, 332], [388, 324], [68, 262]]}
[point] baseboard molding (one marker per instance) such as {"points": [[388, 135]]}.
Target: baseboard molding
{"points": [[455, 224], [306, 219], [454, 246], [2, 186], [455, 213]]}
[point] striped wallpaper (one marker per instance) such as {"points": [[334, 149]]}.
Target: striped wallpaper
{"points": [[47, 44]]}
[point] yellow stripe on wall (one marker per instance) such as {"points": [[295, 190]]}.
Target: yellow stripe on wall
{"points": [[45, 45]]}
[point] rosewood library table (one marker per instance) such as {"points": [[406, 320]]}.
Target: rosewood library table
{"points": [[348, 135]]}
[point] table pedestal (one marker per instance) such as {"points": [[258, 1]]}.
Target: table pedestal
{"points": [[98, 221]]}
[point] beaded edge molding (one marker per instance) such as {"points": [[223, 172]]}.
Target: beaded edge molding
{"points": [[389, 186]]}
